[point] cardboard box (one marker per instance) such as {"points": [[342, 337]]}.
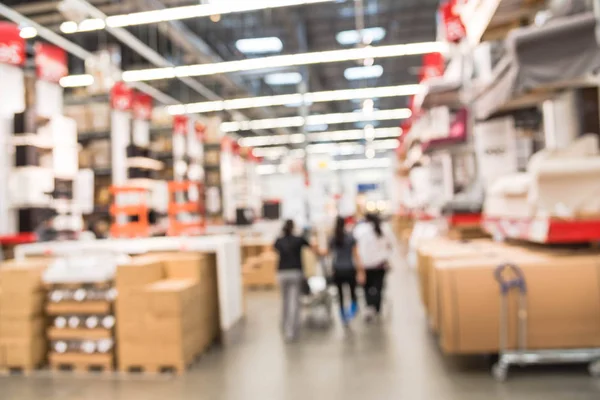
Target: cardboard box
{"points": [[172, 297], [23, 276], [21, 328], [26, 353], [21, 304], [132, 354], [139, 272], [563, 303], [195, 266]]}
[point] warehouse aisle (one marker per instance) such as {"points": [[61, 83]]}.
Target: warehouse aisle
{"points": [[397, 360]]}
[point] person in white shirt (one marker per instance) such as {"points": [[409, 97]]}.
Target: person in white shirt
{"points": [[374, 250]]}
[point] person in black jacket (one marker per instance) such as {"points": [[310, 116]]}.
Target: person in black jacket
{"points": [[291, 278], [342, 247]]}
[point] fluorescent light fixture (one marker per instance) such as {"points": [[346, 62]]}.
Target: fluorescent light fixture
{"points": [[197, 11], [68, 27], [299, 104], [334, 136], [370, 72], [317, 128], [28, 32], [366, 36], [72, 81], [363, 163], [297, 98], [89, 25], [351, 148], [338, 118], [283, 78], [263, 45], [271, 153], [281, 61]]}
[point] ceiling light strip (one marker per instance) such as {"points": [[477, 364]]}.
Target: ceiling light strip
{"points": [[297, 98], [335, 136], [338, 118], [289, 60], [181, 13]]}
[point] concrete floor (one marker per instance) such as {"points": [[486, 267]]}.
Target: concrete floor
{"points": [[395, 360]]}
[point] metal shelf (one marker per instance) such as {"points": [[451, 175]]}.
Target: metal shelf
{"points": [[543, 230]]}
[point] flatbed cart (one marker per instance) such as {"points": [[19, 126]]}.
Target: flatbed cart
{"points": [[510, 278]]}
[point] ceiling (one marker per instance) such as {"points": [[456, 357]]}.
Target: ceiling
{"points": [[301, 29]]}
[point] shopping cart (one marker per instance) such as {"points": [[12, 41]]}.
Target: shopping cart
{"points": [[317, 302], [511, 278]]}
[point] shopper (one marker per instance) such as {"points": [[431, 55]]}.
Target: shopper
{"points": [[374, 251], [343, 249], [291, 278]]}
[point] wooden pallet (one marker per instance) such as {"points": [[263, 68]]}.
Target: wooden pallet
{"points": [[18, 370], [79, 362], [90, 307], [104, 285], [55, 333], [155, 369], [255, 287]]}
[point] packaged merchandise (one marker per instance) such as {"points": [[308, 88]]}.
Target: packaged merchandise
{"points": [[563, 301]]}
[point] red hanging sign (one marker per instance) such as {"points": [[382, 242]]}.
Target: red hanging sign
{"points": [[433, 66], [180, 124], [200, 130], [50, 62], [12, 45], [142, 106], [121, 97], [454, 29]]}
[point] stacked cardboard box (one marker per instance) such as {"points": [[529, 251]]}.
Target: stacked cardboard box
{"points": [[462, 298], [261, 271], [22, 321], [167, 310]]}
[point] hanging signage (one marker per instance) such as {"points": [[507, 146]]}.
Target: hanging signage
{"points": [[50, 62], [433, 66], [142, 106], [12, 45], [180, 124], [121, 97], [200, 130], [454, 29]]}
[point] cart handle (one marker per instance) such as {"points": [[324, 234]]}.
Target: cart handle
{"points": [[507, 284]]}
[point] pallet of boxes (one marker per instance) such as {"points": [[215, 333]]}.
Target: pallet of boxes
{"points": [[22, 319], [167, 311], [79, 306], [462, 298]]}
